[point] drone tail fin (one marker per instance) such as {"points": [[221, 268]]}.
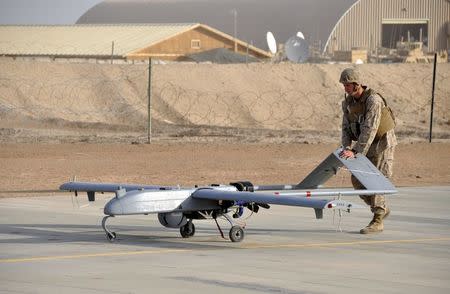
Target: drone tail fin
{"points": [[360, 167]]}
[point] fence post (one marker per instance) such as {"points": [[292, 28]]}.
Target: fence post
{"points": [[112, 52], [432, 98], [149, 95]]}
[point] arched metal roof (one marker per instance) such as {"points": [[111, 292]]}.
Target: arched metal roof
{"points": [[362, 24], [315, 18]]}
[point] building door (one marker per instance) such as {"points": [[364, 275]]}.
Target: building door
{"points": [[394, 31]]}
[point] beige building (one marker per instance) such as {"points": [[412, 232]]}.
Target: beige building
{"points": [[372, 24], [119, 41]]}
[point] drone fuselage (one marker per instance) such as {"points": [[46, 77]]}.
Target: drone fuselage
{"points": [[160, 201]]}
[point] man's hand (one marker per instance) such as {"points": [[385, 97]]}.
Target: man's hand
{"points": [[346, 154]]}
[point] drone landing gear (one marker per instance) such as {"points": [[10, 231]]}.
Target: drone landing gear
{"points": [[236, 233], [111, 236], [188, 230]]}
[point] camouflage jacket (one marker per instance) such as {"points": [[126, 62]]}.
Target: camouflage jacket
{"points": [[365, 141]]}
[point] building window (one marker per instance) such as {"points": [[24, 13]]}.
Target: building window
{"points": [[195, 44]]}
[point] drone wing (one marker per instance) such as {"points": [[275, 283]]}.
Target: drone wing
{"points": [[302, 199], [91, 188]]}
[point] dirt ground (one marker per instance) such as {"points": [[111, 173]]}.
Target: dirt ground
{"points": [[30, 169], [266, 123]]}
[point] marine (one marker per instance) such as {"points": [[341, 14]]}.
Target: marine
{"points": [[368, 128]]}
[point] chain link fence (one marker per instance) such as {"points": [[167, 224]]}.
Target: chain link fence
{"points": [[48, 101]]}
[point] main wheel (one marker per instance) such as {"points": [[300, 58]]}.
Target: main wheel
{"points": [[188, 230], [236, 234]]}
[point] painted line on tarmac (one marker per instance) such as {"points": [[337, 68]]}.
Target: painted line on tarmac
{"points": [[107, 254], [375, 242], [163, 251]]}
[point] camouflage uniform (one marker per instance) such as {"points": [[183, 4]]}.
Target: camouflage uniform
{"points": [[380, 151]]}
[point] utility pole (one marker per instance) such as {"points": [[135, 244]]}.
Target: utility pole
{"points": [[234, 11]]}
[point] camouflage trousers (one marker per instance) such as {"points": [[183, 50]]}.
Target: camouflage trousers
{"points": [[384, 161]]}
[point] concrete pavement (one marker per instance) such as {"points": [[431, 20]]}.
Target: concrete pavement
{"points": [[55, 244]]}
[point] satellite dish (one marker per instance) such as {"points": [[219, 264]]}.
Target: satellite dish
{"points": [[297, 49], [300, 35], [271, 42]]}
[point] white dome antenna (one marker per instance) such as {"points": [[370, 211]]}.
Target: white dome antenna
{"points": [[297, 49]]}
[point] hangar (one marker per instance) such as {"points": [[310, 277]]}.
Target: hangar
{"points": [[384, 23], [328, 25]]}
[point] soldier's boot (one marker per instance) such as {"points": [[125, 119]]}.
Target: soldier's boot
{"points": [[376, 225]]}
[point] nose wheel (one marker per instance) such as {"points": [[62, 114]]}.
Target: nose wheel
{"points": [[111, 236]]}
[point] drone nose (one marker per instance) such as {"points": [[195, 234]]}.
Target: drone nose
{"points": [[113, 207]]}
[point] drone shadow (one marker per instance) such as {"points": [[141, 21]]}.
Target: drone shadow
{"points": [[144, 236]]}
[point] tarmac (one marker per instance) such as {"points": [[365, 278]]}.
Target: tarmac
{"points": [[55, 244]]}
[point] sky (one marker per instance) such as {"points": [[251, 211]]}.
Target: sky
{"points": [[27, 12]]}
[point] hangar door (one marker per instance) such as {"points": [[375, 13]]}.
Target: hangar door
{"points": [[397, 30]]}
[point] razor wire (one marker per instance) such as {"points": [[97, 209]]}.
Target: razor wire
{"points": [[249, 109], [114, 98]]}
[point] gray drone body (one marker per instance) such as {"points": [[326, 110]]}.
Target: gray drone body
{"points": [[178, 207]]}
